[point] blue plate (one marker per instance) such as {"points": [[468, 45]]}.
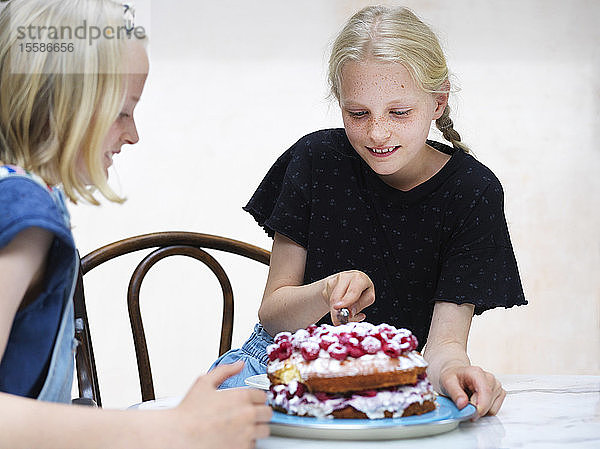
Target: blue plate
{"points": [[444, 418]]}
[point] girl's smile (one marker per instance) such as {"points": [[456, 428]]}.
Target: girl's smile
{"points": [[384, 151], [108, 158]]}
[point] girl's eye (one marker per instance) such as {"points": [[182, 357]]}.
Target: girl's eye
{"points": [[357, 113], [400, 113], [123, 115]]}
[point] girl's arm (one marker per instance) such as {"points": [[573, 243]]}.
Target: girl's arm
{"points": [[288, 305], [450, 369], [22, 266], [206, 418]]}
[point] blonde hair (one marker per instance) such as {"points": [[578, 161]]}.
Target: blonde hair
{"points": [[54, 105], [395, 35]]}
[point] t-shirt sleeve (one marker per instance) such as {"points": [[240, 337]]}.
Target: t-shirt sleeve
{"points": [[281, 202], [479, 265], [25, 204]]}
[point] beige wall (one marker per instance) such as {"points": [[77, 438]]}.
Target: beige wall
{"points": [[234, 83]]}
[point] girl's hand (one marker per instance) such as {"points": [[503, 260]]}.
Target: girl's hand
{"points": [[462, 383], [352, 290], [210, 418], [450, 370]]}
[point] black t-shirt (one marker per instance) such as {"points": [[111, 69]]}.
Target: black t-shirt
{"points": [[444, 240]]}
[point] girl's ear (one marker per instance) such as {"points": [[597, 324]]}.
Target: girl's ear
{"points": [[441, 100]]}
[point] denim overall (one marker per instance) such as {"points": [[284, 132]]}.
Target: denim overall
{"points": [[254, 354], [58, 383]]}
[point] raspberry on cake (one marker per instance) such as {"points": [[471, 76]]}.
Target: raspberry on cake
{"points": [[356, 370]]}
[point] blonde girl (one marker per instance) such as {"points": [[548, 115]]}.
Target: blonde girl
{"points": [[65, 111], [378, 219]]}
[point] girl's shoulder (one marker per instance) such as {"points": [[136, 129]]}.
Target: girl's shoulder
{"points": [[22, 189], [464, 171], [469, 183], [476, 175], [321, 150], [28, 201], [325, 141], [317, 149]]}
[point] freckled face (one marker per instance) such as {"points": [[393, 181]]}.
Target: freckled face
{"points": [[387, 117]]}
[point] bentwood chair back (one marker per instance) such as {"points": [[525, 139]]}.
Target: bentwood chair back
{"points": [[164, 244]]}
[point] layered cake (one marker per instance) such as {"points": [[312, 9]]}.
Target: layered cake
{"points": [[356, 370]]}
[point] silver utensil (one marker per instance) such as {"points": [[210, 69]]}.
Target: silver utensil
{"points": [[343, 315]]}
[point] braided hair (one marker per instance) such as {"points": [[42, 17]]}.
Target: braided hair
{"points": [[446, 126]]}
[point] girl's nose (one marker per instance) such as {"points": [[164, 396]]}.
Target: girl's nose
{"points": [[379, 131], [131, 135]]}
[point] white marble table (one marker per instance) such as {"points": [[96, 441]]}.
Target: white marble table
{"points": [[541, 412]]}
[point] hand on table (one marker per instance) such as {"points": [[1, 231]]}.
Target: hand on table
{"points": [[352, 290], [471, 382], [222, 419]]}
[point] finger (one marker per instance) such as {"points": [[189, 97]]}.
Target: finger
{"points": [[339, 291], [366, 299], [261, 431], [483, 395], [217, 376], [473, 401], [245, 395], [498, 387], [358, 317], [264, 413], [257, 396], [334, 318], [358, 289], [497, 403], [454, 389]]}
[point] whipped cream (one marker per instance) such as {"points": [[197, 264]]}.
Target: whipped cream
{"points": [[367, 364], [374, 405]]}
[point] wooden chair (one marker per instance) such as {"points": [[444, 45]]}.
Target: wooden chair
{"points": [[166, 244]]}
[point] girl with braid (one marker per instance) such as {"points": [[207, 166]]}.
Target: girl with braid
{"points": [[380, 220]]}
